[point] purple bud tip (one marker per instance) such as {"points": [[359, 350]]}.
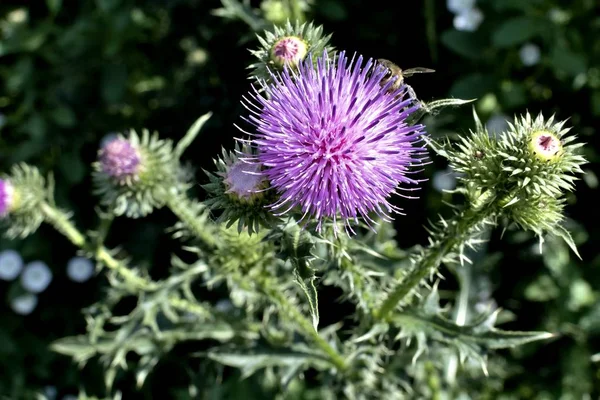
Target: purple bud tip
{"points": [[119, 159], [6, 197], [243, 179], [289, 50], [546, 145]]}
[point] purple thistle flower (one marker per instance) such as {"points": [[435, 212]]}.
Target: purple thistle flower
{"points": [[333, 142], [119, 159], [6, 197]]}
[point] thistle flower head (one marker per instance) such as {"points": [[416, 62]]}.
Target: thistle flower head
{"points": [[134, 175], [6, 197], [119, 159], [332, 142], [287, 46]]}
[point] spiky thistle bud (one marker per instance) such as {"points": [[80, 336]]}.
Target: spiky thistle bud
{"points": [[539, 157], [134, 175], [22, 194], [288, 51], [523, 172], [287, 46], [239, 189]]}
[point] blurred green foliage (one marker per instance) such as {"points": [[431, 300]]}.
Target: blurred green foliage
{"points": [[73, 72]]}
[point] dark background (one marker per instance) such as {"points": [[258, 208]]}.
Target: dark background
{"points": [[94, 67]]}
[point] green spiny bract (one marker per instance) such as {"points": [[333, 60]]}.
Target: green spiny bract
{"points": [[530, 168], [522, 173], [138, 194], [244, 202], [28, 195], [305, 34]]}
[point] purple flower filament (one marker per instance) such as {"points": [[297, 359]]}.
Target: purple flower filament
{"points": [[333, 142], [6, 194], [119, 159]]}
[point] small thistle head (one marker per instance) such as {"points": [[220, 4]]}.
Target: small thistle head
{"points": [[239, 189], [289, 50], [120, 160], [287, 46], [22, 194], [7, 194], [134, 175]]}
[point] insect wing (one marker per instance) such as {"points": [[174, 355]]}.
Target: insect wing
{"points": [[417, 70]]}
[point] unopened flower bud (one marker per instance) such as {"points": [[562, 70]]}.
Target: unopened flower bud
{"points": [[545, 145], [244, 180], [239, 189], [287, 45], [288, 51], [134, 174]]}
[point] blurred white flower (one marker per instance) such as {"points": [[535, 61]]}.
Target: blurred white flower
{"points": [[468, 20], [457, 6], [530, 54], [11, 265], [24, 304], [444, 180], [80, 269], [559, 16], [497, 124], [36, 277], [224, 305], [17, 16]]}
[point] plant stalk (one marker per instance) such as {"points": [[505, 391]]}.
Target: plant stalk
{"points": [[290, 311], [184, 209], [61, 222], [457, 232]]}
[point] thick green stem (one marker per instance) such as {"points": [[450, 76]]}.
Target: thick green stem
{"points": [[290, 311], [457, 232], [61, 222], [190, 215]]}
